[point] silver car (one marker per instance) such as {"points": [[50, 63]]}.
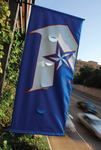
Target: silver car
{"points": [[91, 122]]}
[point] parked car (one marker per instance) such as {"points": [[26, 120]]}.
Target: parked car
{"points": [[91, 122], [70, 125], [87, 107]]}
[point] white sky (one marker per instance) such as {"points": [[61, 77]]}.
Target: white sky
{"points": [[90, 10]]}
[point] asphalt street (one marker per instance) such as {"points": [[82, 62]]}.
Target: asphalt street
{"points": [[82, 139]]}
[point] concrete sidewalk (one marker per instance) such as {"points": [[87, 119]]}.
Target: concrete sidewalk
{"points": [[67, 143]]}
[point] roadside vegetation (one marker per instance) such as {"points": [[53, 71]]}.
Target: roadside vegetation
{"points": [[89, 76], [13, 141]]}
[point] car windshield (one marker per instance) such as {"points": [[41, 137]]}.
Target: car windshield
{"points": [[96, 122], [89, 105]]}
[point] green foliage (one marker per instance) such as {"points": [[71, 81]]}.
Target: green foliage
{"points": [[16, 141], [15, 60], [94, 80], [77, 79], [88, 76], [6, 35], [12, 73], [75, 74], [85, 72]]}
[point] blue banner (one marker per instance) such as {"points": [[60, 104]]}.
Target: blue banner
{"points": [[46, 73]]}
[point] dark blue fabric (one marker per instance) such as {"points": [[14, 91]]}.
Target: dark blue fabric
{"points": [[43, 111]]}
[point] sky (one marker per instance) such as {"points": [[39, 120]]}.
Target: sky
{"points": [[90, 10]]}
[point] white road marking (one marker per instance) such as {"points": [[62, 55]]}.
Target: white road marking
{"points": [[49, 143], [70, 116], [83, 140]]}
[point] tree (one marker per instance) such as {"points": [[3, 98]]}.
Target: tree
{"points": [[88, 76], [94, 80], [85, 72]]}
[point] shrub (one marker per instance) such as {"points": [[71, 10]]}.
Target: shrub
{"points": [[6, 35], [15, 141], [12, 73]]}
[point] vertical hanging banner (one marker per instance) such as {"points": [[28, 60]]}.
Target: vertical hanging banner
{"points": [[46, 73]]}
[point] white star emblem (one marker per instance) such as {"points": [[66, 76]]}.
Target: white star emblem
{"points": [[61, 57]]}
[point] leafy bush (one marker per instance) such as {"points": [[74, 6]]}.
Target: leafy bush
{"points": [[15, 141], [12, 73], [6, 35]]}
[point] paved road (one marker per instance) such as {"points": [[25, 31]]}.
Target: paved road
{"points": [[82, 139]]}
